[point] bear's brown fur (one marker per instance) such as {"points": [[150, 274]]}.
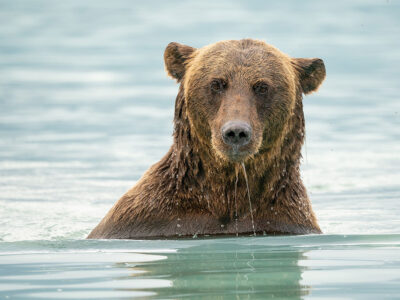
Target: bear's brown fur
{"points": [[192, 189]]}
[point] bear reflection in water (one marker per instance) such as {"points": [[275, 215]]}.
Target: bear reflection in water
{"points": [[215, 270], [239, 102]]}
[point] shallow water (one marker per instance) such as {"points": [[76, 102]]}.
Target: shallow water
{"points": [[332, 266], [86, 108]]}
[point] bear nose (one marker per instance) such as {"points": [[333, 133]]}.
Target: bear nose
{"points": [[236, 133]]}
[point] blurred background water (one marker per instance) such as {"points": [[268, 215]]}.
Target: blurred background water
{"points": [[86, 108]]}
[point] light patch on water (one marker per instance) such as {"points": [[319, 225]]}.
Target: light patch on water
{"points": [[108, 93], [55, 76], [80, 257], [29, 220], [90, 294]]}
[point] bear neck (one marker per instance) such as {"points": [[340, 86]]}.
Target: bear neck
{"points": [[199, 178]]}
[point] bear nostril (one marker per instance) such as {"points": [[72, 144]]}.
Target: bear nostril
{"points": [[230, 134], [236, 133]]}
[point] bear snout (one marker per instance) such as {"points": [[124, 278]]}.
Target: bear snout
{"points": [[236, 133]]}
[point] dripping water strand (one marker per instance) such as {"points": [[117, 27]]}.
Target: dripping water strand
{"points": [[236, 210], [248, 194]]}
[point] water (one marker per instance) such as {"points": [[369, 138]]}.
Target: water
{"points": [[86, 108], [248, 195], [327, 266], [236, 209]]}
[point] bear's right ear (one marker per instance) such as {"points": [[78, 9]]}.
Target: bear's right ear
{"points": [[175, 58]]}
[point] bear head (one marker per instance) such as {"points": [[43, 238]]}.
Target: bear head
{"points": [[240, 95]]}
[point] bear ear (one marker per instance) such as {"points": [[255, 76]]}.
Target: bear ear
{"points": [[175, 58], [311, 73]]}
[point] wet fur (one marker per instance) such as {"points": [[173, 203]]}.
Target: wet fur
{"points": [[190, 191]]}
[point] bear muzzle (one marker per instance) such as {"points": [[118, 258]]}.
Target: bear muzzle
{"points": [[236, 133], [236, 136]]}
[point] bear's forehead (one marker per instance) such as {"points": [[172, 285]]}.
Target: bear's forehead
{"points": [[249, 58]]}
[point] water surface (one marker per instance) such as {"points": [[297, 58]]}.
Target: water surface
{"points": [[86, 108]]}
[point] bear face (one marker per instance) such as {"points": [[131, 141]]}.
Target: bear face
{"points": [[240, 95]]}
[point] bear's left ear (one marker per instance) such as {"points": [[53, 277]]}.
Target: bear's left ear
{"points": [[175, 59], [311, 73]]}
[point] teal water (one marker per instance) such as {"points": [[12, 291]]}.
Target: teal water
{"points": [[86, 108], [327, 266]]}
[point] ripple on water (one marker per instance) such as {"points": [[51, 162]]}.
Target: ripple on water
{"points": [[288, 267]]}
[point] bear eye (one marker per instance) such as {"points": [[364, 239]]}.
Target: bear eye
{"points": [[218, 85], [260, 88]]}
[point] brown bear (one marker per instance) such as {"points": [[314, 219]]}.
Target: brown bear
{"points": [[238, 118]]}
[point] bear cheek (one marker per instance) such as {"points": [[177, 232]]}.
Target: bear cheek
{"points": [[275, 118], [199, 119]]}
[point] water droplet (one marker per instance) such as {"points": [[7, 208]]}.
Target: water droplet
{"points": [[248, 193], [236, 209]]}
